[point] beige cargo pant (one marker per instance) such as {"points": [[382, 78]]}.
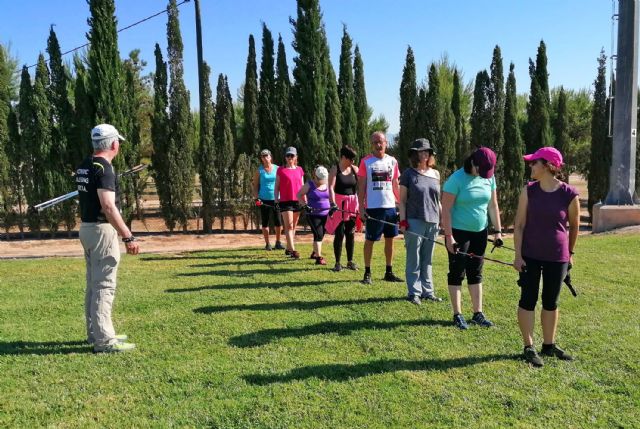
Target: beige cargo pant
{"points": [[102, 255]]}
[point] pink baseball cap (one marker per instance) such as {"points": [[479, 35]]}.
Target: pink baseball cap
{"points": [[549, 154], [485, 159]]}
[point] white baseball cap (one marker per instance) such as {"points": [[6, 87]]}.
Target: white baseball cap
{"points": [[104, 131], [321, 173]]}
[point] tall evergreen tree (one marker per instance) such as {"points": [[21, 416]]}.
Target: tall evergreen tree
{"points": [[598, 179], [409, 100], [561, 125], [360, 103], [309, 88], [512, 177], [223, 138], [284, 133], [7, 196], [84, 112], [266, 102], [207, 155], [434, 115], [26, 120], [496, 101], [481, 131], [180, 123], [462, 141], [251, 126], [345, 91], [538, 120], [332, 127]]}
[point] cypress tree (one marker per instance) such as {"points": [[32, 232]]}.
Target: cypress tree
{"points": [[266, 102], [600, 160], [360, 103], [345, 91], [481, 131], [462, 142], [26, 120], [421, 127], [332, 127], [409, 100], [206, 155], [160, 140], [512, 177], [180, 123], [434, 115], [496, 101], [560, 127], [251, 131], [309, 89], [223, 138], [284, 133], [84, 112], [7, 197], [538, 122]]}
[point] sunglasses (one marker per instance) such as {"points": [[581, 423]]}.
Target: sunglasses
{"points": [[289, 155]]}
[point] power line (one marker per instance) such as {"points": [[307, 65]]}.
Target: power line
{"points": [[120, 30]]}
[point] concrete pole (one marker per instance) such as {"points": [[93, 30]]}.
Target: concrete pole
{"points": [[623, 164]]}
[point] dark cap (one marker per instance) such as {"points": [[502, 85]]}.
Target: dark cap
{"points": [[485, 159], [291, 151], [420, 145]]}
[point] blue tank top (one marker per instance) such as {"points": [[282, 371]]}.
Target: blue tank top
{"points": [[267, 183]]}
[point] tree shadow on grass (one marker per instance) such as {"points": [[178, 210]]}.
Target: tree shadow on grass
{"points": [[292, 305], [344, 372], [265, 336], [248, 286], [241, 272], [43, 348], [242, 262], [200, 254]]}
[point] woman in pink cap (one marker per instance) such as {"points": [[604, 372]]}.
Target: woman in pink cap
{"points": [[468, 195], [544, 248]]}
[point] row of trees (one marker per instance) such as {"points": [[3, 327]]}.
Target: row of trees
{"points": [[45, 122]]}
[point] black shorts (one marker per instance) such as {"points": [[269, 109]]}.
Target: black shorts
{"points": [[289, 206], [266, 211], [459, 265]]}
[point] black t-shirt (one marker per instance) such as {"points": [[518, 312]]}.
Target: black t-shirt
{"points": [[95, 173]]}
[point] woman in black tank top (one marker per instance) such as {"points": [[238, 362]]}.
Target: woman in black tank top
{"points": [[343, 183]]}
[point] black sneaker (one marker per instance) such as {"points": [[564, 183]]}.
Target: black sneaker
{"points": [[268, 246], [531, 356], [390, 277], [352, 266], [431, 298], [337, 267], [479, 319], [414, 299], [278, 246], [367, 279], [287, 252], [555, 351], [458, 320]]}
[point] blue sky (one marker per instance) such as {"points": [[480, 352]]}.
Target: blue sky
{"points": [[467, 30]]}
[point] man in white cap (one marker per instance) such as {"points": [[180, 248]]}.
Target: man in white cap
{"points": [[101, 223]]}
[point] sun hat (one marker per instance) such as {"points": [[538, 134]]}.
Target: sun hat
{"points": [[549, 154], [421, 144]]}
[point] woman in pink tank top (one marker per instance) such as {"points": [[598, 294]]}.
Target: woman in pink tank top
{"points": [[289, 180]]}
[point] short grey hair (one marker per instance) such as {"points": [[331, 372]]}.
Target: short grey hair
{"points": [[103, 144]]}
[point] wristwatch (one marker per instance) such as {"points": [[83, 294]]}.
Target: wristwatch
{"points": [[129, 240]]}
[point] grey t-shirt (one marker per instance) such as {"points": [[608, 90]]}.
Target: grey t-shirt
{"points": [[423, 195]]}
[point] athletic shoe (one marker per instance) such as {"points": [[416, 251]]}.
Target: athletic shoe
{"points": [[121, 338], [414, 299], [431, 298], [313, 255], [555, 351], [458, 320], [278, 246], [295, 254], [267, 247], [352, 266], [479, 319], [287, 252], [117, 348], [337, 268], [367, 279], [531, 356], [321, 261], [390, 277]]}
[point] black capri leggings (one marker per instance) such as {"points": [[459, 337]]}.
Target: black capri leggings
{"points": [[552, 273], [266, 211], [459, 265], [316, 223], [345, 230]]}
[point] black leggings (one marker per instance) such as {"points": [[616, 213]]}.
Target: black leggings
{"points": [[459, 265], [316, 223], [346, 230], [552, 273]]}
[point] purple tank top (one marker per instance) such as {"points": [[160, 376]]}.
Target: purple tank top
{"points": [[545, 236], [318, 200]]}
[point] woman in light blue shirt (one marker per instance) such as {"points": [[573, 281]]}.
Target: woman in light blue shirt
{"points": [[468, 195], [263, 190]]}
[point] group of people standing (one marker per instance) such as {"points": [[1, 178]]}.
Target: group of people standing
{"points": [[414, 202], [545, 234]]}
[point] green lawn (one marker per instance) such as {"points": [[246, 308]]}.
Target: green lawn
{"points": [[245, 338]]}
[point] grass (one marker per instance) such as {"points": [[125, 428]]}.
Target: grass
{"points": [[245, 338]]}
